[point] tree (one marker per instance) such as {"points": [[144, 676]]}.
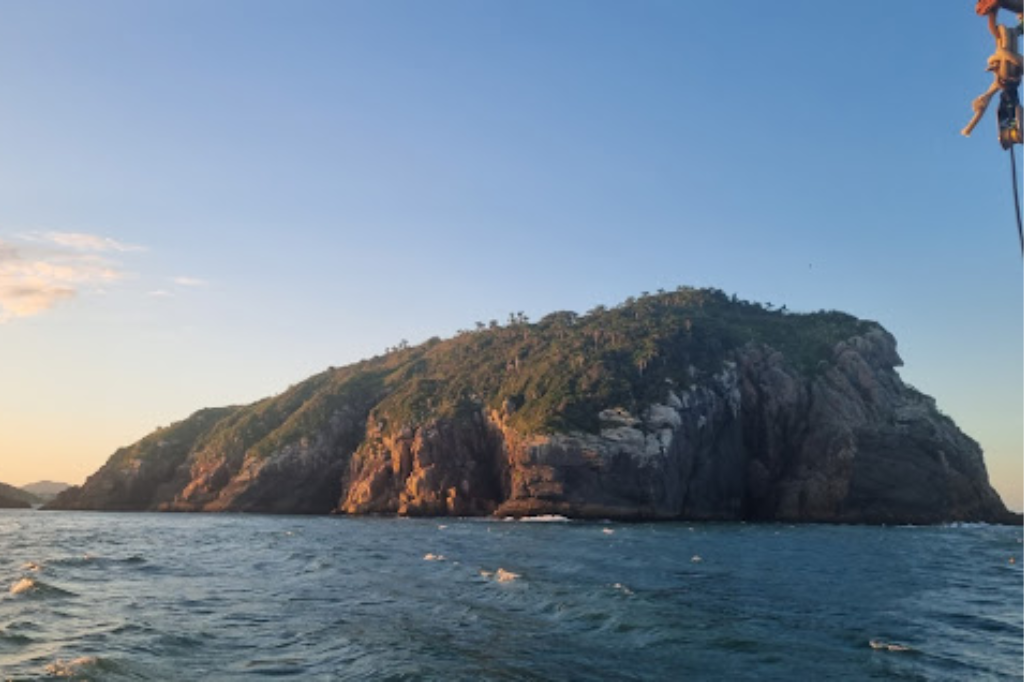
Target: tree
{"points": [[645, 354]]}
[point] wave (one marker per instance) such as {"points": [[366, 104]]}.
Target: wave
{"points": [[501, 575], [31, 587], [14, 637], [92, 560], [83, 668], [545, 518], [950, 524], [22, 586], [879, 645], [74, 560]]}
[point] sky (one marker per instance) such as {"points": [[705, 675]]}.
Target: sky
{"points": [[203, 202]]}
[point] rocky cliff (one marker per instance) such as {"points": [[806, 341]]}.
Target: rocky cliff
{"points": [[679, 405]]}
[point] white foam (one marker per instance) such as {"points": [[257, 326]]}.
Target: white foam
{"points": [[61, 668], [545, 518], [433, 557], [878, 644], [696, 559], [622, 588], [607, 531], [500, 575], [503, 576], [23, 585]]}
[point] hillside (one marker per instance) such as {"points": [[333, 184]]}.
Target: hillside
{"points": [[45, 490], [683, 404], [15, 498]]}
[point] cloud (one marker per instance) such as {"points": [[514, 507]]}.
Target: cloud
{"points": [[190, 282], [34, 280], [80, 241], [32, 299]]}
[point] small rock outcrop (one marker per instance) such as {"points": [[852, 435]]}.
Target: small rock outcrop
{"points": [[687, 405]]}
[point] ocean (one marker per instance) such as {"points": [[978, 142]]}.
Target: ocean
{"points": [[91, 596]]}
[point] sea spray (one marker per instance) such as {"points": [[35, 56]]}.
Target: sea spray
{"points": [[22, 586]]}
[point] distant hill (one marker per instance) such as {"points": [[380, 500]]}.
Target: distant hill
{"points": [[45, 490], [685, 404], [15, 498]]}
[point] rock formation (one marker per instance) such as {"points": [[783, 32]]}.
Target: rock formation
{"points": [[682, 405]]}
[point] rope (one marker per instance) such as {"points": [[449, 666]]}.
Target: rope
{"points": [[1016, 199]]}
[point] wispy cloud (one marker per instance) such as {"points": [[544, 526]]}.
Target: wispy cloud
{"points": [[34, 279], [190, 282], [80, 241]]}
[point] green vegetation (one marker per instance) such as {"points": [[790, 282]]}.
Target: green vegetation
{"points": [[170, 442], [561, 371], [552, 375]]}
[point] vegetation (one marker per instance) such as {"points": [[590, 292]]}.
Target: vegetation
{"points": [[177, 439], [560, 372], [552, 375]]}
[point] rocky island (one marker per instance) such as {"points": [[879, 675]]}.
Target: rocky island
{"points": [[688, 404]]}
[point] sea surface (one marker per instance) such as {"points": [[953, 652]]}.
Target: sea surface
{"points": [[92, 596]]}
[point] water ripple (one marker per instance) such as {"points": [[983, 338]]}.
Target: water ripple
{"points": [[240, 597]]}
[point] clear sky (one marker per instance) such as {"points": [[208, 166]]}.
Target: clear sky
{"points": [[203, 202]]}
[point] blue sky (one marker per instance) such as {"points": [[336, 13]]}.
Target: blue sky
{"points": [[204, 202]]}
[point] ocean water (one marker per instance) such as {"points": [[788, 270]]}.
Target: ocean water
{"points": [[229, 597]]}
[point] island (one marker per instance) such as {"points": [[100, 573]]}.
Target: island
{"points": [[686, 404]]}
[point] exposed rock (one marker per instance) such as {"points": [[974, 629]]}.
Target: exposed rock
{"points": [[755, 441], [439, 468], [729, 431]]}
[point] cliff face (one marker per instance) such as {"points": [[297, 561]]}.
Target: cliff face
{"points": [[745, 432], [753, 441]]}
